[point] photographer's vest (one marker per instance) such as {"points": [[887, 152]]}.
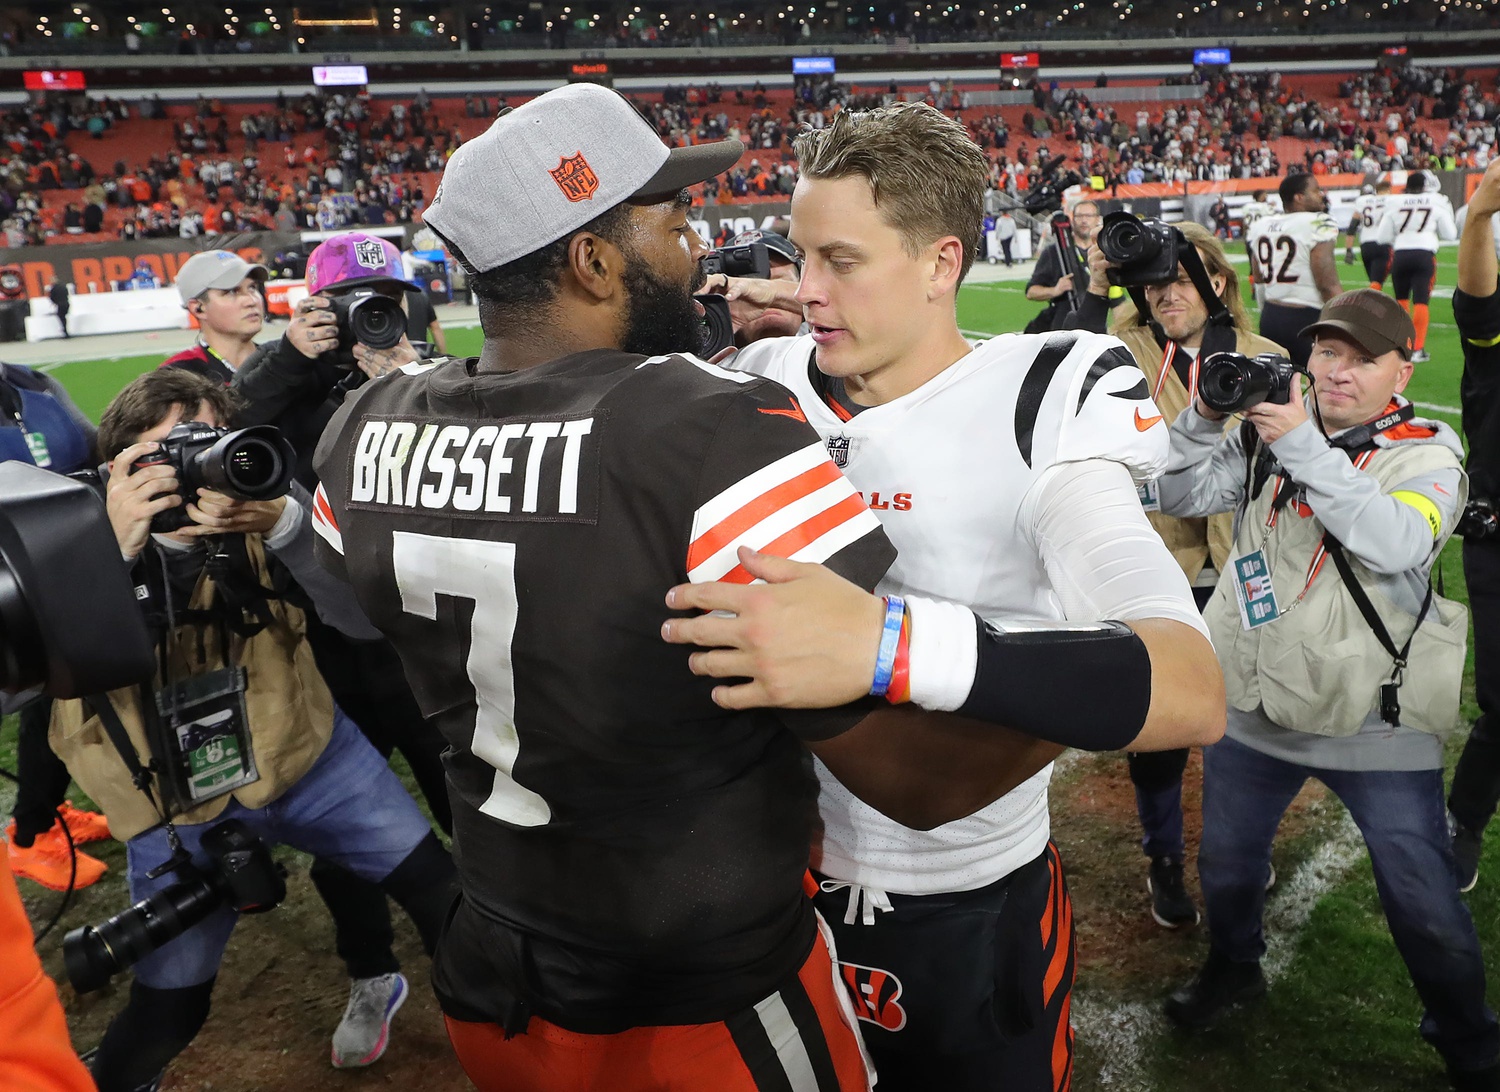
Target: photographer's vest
{"points": [[1319, 667], [288, 707], [1193, 541]]}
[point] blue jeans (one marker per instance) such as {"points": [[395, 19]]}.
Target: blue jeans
{"points": [[1402, 817], [349, 808]]}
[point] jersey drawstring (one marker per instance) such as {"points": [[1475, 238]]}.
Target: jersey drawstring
{"points": [[873, 899]]}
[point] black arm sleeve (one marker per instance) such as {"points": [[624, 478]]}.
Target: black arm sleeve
{"points": [[1081, 686], [275, 378], [1478, 320]]}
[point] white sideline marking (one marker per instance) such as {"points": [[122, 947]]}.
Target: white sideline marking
{"points": [[1117, 1033]]}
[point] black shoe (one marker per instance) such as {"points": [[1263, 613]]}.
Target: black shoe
{"points": [[1171, 905], [1467, 843], [1476, 1080], [1220, 985]]}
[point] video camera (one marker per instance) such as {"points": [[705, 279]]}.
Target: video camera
{"points": [[1047, 195], [1233, 382], [247, 464], [241, 875]]}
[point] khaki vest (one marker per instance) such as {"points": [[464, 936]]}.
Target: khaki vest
{"points": [[289, 707], [1195, 540], [1319, 667]]}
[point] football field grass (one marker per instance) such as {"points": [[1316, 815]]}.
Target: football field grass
{"points": [[1342, 1015]]}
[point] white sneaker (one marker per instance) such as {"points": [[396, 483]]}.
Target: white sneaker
{"points": [[1421, 356], [362, 1034]]}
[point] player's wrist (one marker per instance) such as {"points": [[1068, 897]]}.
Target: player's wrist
{"points": [[890, 642], [943, 653]]}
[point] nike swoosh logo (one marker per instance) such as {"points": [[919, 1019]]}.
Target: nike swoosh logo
{"points": [[1141, 423], [1441, 490], [795, 413]]}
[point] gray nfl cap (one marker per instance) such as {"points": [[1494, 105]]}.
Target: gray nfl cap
{"points": [[546, 168], [214, 269]]}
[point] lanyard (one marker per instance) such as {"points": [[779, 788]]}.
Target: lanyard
{"points": [[1320, 555], [1168, 362]]}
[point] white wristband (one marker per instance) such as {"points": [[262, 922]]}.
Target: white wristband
{"points": [[944, 653]]}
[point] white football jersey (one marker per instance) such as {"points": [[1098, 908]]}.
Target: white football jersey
{"points": [[1416, 221], [1369, 211], [1250, 212], [1281, 247], [949, 470]]}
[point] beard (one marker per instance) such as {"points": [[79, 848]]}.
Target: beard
{"points": [[660, 317]]}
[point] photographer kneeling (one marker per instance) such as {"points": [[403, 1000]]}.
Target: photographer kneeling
{"points": [[1175, 329], [239, 725], [1339, 661]]}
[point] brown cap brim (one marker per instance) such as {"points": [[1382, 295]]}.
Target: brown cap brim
{"points": [[688, 166], [1369, 340]]}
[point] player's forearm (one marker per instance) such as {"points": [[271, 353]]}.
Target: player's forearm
{"points": [[1477, 267]]}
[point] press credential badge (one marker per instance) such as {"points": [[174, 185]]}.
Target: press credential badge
{"points": [[1253, 590]]}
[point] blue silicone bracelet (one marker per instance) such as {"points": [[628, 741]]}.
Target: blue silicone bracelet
{"points": [[890, 637]]}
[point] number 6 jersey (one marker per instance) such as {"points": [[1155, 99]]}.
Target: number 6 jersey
{"points": [[636, 851]]}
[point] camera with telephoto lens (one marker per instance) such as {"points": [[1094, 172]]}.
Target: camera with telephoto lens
{"points": [[369, 318], [1047, 194], [1146, 252], [241, 875], [1233, 382], [248, 464]]}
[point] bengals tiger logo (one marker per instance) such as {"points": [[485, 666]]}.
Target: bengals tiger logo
{"points": [[874, 993], [575, 177]]}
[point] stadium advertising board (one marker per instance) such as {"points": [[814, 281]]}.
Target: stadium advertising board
{"points": [[340, 75], [812, 66], [1211, 56], [103, 264], [1020, 60], [54, 79]]}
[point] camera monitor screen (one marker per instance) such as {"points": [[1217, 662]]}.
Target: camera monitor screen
{"points": [[1210, 56], [812, 66], [55, 80], [340, 75]]}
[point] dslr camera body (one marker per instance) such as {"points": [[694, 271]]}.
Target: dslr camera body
{"points": [[241, 874], [744, 260], [1233, 382], [1147, 252], [369, 317], [247, 464]]}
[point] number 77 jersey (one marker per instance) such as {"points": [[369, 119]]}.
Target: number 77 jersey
{"points": [[1281, 247], [514, 535]]}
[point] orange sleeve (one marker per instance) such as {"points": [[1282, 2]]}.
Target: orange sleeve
{"points": [[35, 1052]]}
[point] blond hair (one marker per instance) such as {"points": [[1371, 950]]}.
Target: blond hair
{"points": [[926, 176], [1215, 261]]}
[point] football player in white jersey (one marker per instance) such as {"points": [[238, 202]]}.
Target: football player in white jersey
{"points": [[1292, 254], [1414, 223], [1364, 227], [1251, 211], [1005, 473]]}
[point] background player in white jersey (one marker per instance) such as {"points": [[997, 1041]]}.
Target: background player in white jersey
{"points": [[1251, 211], [1292, 254], [1414, 222], [1005, 473], [1364, 228]]}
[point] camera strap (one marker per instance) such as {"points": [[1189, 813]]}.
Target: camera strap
{"points": [[1390, 706]]}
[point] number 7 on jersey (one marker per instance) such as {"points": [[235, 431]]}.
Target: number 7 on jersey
{"points": [[426, 567]]}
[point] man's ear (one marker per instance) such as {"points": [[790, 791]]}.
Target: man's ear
{"points": [[597, 264]]}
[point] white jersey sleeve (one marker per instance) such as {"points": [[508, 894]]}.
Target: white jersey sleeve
{"points": [[1097, 406], [1281, 248]]}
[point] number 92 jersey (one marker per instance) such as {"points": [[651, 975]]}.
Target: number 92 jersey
{"points": [[1281, 247], [514, 535]]}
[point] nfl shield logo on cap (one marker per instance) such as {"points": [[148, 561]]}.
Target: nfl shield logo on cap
{"points": [[575, 178]]}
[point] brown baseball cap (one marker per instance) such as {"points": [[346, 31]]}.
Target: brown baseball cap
{"points": [[1375, 322]]}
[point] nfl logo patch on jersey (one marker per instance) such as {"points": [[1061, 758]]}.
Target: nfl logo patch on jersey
{"points": [[838, 450]]}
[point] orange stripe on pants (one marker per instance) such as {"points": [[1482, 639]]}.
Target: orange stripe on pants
{"points": [[677, 1058]]}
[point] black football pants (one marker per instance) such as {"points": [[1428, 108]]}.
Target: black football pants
{"points": [[1476, 781], [43, 777]]}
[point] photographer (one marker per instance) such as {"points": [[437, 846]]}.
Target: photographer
{"points": [[1168, 341], [1339, 661], [1050, 281], [230, 654], [298, 381], [1476, 309], [751, 323]]}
